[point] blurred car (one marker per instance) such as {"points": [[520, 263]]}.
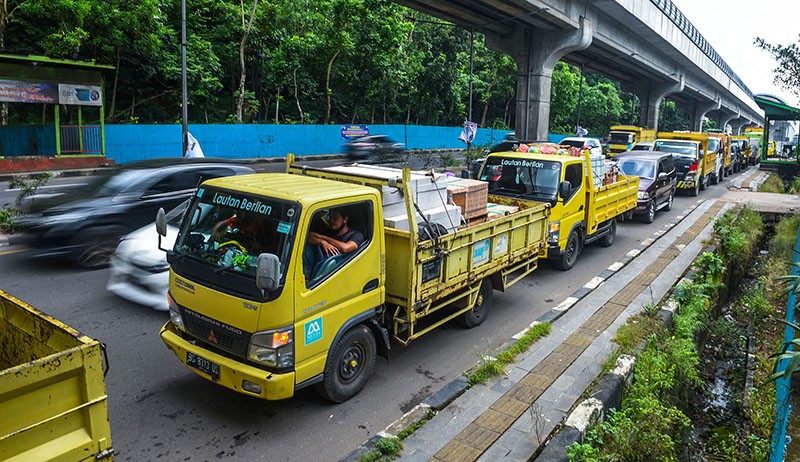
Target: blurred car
{"points": [[643, 146], [139, 271], [592, 144], [85, 224], [657, 180], [373, 148]]}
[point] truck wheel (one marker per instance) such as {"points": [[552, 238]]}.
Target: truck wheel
{"points": [[349, 365], [480, 311], [704, 182], [650, 212], [608, 239], [570, 253], [696, 190]]}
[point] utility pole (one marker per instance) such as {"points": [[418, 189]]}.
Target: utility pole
{"points": [[184, 97]]}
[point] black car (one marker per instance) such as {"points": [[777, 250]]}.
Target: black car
{"points": [[85, 224], [373, 148], [657, 180]]}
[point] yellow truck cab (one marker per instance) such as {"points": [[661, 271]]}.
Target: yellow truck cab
{"points": [[742, 143], [721, 142], [695, 163], [267, 317], [583, 208], [621, 138]]}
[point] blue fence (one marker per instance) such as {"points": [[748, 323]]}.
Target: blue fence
{"points": [[129, 143]]}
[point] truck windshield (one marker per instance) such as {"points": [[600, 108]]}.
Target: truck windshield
{"points": [[684, 149], [620, 138], [522, 178], [229, 230], [713, 144]]}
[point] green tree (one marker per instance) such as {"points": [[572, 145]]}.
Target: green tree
{"points": [[787, 72]]}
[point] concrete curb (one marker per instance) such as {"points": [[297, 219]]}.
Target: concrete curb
{"points": [[460, 385]]}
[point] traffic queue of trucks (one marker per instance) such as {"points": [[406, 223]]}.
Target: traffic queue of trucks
{"points": [[267, 325]]}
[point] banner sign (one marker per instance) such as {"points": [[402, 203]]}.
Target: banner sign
{"points": [[354, 131], [15, 91], [79, 95], [468, 134]]}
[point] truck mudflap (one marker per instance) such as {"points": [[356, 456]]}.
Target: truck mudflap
{"points": [[231, 374]]}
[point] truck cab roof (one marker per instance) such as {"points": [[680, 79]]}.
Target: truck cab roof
{"points": [[300, 188]]}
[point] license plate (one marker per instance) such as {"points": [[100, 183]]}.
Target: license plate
{"points": [[203, 365]]}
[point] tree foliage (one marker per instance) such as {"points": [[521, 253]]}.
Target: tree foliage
{"points": [[787, 72], [304, 61]]}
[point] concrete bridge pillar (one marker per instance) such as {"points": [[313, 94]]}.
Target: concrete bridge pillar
{"points": [[737, 124], [725, 117], [536, 52], [700, 111], [650, 94]]}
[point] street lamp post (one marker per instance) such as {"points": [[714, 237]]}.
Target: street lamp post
{"points": [[184, 98]]}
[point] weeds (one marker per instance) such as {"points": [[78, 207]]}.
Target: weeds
{"points": [[490, 367], [387, 449], [27, 187], [773, 184]]}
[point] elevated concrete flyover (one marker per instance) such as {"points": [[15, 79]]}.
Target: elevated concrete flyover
{"points": [[647, 45]]}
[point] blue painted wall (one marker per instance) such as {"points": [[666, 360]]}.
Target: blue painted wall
{"points": [[128, 143]]}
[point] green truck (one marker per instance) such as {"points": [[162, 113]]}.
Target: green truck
{"points": [[53, 398]]}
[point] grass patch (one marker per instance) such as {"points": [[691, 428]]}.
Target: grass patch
{"points": [[490, 367], [633, 333], [387, 449], [408, 431], [773, 184]]}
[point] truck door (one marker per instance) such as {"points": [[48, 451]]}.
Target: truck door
{"points": [[573, 208], [334, 286]]}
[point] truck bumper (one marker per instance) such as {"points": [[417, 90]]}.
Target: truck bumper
{"points": [[553, 252], [232, 374]]}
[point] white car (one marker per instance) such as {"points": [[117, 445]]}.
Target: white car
{"points": [[592, 144], [139, 271]]}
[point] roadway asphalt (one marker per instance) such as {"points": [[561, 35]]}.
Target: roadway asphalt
{"points": [[537, 403]]}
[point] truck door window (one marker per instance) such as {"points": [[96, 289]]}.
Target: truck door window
{"points": [[574, 174], [335, 236]]}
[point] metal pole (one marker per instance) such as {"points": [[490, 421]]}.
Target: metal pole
{"points": [[184, 97], [580, 96], [471, 62]]}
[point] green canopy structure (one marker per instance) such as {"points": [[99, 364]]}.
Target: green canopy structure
{"points": [[777, 111], [72, 87]]}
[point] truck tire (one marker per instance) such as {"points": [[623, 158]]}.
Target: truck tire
{"points": [[608, 239], [480, 311], [570, 254], [349, 366], [696, 190], [704, 182]]}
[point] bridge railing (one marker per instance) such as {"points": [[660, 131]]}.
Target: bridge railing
{"points": [[682, 22]]}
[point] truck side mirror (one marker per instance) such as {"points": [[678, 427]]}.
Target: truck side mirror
{"points": [[564, 188], [161, 226], [161, 222], [268, 271]]}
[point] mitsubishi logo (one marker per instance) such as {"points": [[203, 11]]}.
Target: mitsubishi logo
{"points": [[211, 337]]}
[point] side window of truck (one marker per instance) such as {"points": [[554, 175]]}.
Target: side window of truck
{"points": [[574, 174], [336, 235]]}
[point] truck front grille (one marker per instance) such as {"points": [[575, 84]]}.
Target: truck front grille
{"points": [[215, 333]]}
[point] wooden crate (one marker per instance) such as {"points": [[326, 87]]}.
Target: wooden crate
{"points": [[471, 195]]}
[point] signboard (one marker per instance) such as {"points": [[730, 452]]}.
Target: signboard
{"points": [[79, 95], [16, 91], [354, 131]]}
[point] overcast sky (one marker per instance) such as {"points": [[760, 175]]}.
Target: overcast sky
{"points": [[731, 26]]}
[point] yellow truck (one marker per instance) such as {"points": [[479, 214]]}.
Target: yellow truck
{"points": [[584, 201], [267, 323], [696, 164], [720, 142], [621, 138], [742, 144], [53, 399]]}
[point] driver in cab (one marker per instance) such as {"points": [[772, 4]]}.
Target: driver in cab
{"points": [[247, 229], [335, 238]]}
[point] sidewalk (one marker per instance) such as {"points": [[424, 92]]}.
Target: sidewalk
{"points": [[508, 418]]}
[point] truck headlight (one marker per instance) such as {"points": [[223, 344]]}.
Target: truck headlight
{"points": [[175, 314], [273, 348], [552, 236], [644, 195]]}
